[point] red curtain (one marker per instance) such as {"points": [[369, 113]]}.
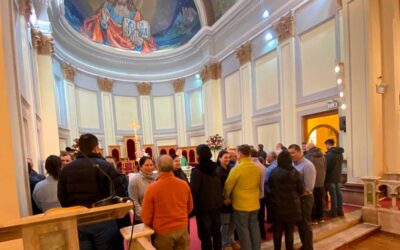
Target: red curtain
{"points": [[130, 145]]}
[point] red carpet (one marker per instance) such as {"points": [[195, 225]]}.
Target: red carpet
{"points": [[195, 243]]}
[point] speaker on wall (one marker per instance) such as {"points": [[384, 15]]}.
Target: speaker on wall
{"points": [[342, 123]]}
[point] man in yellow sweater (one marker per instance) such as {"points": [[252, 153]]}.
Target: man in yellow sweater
{"points": [[242, 188]]}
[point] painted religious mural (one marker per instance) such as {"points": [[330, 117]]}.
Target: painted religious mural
{"points": [[221, 6], [138, 25]]}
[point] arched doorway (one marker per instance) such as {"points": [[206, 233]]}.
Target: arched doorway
{"points": [[319, 127]]}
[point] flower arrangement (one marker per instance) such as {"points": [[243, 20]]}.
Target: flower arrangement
{"points": [[215, 142]]}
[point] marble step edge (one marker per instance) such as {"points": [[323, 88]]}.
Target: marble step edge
{"points": [[346, 237], [324, 230]]}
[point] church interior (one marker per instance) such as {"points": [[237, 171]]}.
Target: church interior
{"points": [[171, 74]]}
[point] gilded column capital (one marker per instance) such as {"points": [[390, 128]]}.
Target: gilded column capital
{"points": [[25, 8], [105, 84], [243, 53], [211, 71], [339, 4], [284, 28], [68, 72], [43, 43], [179, 84], [144, 88]]}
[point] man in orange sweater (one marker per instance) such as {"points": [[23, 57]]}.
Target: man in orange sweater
{"points": [[166, 205]]}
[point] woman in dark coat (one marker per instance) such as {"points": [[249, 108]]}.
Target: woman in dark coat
{"points": [[286, 187]]}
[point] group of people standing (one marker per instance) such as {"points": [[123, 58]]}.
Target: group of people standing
{"points": [[228, 197]]}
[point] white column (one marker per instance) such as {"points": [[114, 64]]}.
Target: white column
{"points": [[72, 112], [287, 91], [147, 121], [105, 86], [364, 105], [211, 76], [180, 112], [48, 104]]}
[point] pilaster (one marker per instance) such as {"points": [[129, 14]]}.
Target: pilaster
{"points": [[144, 90], [105, 86], [180, 111]]}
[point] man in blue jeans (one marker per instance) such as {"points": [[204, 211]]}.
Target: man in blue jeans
{"points": [[334, 160]]}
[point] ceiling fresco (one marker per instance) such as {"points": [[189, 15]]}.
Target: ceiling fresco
{"points": [[138, 25]]}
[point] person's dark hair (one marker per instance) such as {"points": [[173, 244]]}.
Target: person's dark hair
{"points": [[284, 160], [244, 149], [30, 168], [87, 142], [53, 166], [143, 160], [220, 155], [203, 152], [65, 153], [295, 147], [261, 146], [253, 153], [330, 142]]}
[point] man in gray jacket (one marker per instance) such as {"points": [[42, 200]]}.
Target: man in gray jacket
{"points": [[316, 156]]}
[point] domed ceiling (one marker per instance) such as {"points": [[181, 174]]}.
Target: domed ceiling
{"points": [[138, 25]]}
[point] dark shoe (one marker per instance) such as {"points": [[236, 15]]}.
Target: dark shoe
{"points": [[340, 214]]}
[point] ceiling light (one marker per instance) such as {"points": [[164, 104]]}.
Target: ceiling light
{"points": [[337, 69], [339, 81], [268, 36], [265, 14], [343, 107], [198, 76], [341, 94]]}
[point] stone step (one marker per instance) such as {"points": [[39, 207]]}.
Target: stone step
{"points": [[346, 237], [324, 230]]}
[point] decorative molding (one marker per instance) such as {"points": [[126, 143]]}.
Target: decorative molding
{"points": [[211, 71], [25, 8], [68, 72], [284, 28], [105, 84], [144, 88], [243, 53], [43, 43], [179, 84]]}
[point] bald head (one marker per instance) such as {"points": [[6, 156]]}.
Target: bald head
{"points": [[165, 163]]}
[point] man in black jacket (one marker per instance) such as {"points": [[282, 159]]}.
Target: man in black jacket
{"points": [[206, 190], [334, 160], [86, 180]]}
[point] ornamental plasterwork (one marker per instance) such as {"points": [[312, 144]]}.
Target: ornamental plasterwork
{"points": [[284, 28], [243, 53], [68, 72], [211, 71], [144, 88], [43, 43], [105, 84], [25, 8], [178, 84]]}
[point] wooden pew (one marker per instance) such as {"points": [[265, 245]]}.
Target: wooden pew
{"points": [[58, 227], [140, 237]]}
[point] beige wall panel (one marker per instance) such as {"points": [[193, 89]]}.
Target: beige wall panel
{"points": [[266, 69], [196, 140], [166, 142], [126, 111], [88, 110], [196, 108], [269, 135], [318, 55], [232, 95], [234, 138], [164, 112]]}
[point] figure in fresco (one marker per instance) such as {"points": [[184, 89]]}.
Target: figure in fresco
{"points": [[120, 24]]}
